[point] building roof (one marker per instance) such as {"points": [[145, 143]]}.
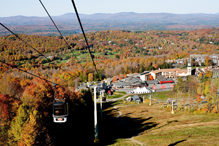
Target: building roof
{"points": [[147, 74], [182, 71], [121, 84], [132, 74], [144, 73], [170, 70], [161, 78], [152, 82], [133, 80], [156, 71]]}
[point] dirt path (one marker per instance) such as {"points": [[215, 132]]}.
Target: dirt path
{"points": [[120, 113], [138, 142], [112, 99]]}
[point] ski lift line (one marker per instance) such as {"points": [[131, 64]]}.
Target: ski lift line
{"points": [[21, 39], [56, 26], [60, 115], [59, 33], [29, 45], [84, 34], [14, 66]]}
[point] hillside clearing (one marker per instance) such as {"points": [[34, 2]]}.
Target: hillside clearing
{"points": [[152, 125]]}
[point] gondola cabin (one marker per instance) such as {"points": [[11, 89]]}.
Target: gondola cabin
{"points": [[60, 111]]}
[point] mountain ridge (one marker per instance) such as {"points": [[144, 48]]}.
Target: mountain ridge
{"points": [[116, 21]]}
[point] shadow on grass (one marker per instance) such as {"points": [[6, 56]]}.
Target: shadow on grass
{"points": [[175, 143], [112, 128]]}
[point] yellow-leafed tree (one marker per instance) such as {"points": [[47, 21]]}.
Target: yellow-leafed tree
{"points": [[29, 131], [90, 77]]}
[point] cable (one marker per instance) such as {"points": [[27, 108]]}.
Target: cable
{"points": [[56, 26], [84, 34], [15, 66], [22, 40], [30, 46], [59, 33]]}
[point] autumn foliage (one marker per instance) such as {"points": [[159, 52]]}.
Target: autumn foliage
{"points": [[8, 107], [26, 115], [150, 78]]}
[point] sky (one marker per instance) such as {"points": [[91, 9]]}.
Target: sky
{"points": [[59, 7]]}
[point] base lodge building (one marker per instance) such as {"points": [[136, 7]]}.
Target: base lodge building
{"points": [[168, 73]]}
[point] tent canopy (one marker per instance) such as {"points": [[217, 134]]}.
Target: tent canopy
{"points": [[141, 90]]}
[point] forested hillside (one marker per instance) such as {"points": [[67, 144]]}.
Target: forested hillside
{"points": [[120, 51]]}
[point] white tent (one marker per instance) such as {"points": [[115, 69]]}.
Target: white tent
{"points": [[146, 90], [141, 90]]}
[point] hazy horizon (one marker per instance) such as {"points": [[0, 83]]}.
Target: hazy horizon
{"points": [[115, 13], [57, 8]]}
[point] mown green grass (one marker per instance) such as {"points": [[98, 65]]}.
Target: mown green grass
{"points": [[191, 136], [124, 142], [122, 92], [115, 96], [163, 96], [109, 56]]}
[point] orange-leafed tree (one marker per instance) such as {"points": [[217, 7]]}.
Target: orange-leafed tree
{"points": [[150, 78], [38, 94], [4, 107], [198, 99], [114, 79], [200, 75], [8, 108], [10, 86], [121, 77], [60, 93]]}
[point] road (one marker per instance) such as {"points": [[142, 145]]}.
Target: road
{"points": [[113, 99]]}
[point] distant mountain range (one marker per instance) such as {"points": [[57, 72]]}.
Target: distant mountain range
{"points": [[104, 21]]}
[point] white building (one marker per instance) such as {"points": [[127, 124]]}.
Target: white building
{"points": [[173, 72]]}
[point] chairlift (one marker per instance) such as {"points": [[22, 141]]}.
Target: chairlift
{"points": [[60, 111]]}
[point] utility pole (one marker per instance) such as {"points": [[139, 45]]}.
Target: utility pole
{"points": [[95, 114], [172, 108], [102, 99], [101, 102]]}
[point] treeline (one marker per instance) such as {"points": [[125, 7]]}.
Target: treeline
{"points": [[114, 52], [121, 44], [72, 75], [200, 90]]}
